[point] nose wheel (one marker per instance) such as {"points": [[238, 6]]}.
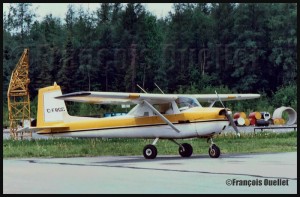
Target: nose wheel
{"points": [[214, 150]]}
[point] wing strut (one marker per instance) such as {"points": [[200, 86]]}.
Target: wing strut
{"points": [[161, 116]]}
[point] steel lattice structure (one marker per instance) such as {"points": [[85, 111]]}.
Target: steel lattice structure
{"points": [[18, 96]]}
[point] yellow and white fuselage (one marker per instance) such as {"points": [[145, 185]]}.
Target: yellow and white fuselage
{"points": [[140, 122], [157, 116], [195, 122]]}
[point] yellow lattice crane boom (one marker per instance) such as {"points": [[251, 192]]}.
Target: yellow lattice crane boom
{"points": [[18, 96]]}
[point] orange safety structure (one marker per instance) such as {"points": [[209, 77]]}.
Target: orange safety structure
{"points": [[18, 96]]}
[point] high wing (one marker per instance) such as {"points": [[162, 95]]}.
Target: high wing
{"points": [[117, 97], [136, 98], [223, 97]]}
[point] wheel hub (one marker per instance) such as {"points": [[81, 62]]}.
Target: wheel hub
{"points": [[148, 152]]}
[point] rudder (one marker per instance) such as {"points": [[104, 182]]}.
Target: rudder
{"points": [[50, 111]]}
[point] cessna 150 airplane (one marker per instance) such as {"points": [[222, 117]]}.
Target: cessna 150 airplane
{"points": [[155, 116]]}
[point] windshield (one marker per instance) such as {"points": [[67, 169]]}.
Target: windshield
{"points": [[187, 102]]}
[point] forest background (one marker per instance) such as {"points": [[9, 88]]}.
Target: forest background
{"points": [[196, 48]]}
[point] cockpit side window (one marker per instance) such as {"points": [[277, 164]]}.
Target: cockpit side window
{"points": [[186, 103]]}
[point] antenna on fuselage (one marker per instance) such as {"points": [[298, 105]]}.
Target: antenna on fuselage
{"points": [[141, 88], [159, 88]]}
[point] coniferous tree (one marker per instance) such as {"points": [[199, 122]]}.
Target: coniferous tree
{"points": [[248, 47]]}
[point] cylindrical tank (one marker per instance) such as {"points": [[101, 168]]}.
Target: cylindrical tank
{"points": [[239, 114], [255, 115], [239, 122], [265, 115], [262, 122], [292, 114], [252, 121], [247, 122], [278, 121]]}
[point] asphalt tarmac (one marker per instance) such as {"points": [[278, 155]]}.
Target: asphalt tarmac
{"points": [[268, 173]]}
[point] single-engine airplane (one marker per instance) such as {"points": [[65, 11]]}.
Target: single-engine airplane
{"points": [[155, 116]]}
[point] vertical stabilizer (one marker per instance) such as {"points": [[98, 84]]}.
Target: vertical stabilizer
{"points": [[51, 111]]}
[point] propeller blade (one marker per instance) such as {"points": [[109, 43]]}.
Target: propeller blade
{"points": [[229, 117]]}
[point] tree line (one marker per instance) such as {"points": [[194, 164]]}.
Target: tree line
{"points": [[198, 47]]}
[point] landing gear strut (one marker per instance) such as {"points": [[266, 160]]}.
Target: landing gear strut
{"points": [[185, 149], [214, 150]]}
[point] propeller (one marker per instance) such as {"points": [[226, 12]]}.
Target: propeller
{"points": [[229, 117]]}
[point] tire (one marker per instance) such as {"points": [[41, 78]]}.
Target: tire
{"points": [[150, 151], [188, 150], [214, 151]]}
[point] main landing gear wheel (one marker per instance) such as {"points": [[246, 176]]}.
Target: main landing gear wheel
{"points": [[150, 151], [214, 151], [188, 150]]}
